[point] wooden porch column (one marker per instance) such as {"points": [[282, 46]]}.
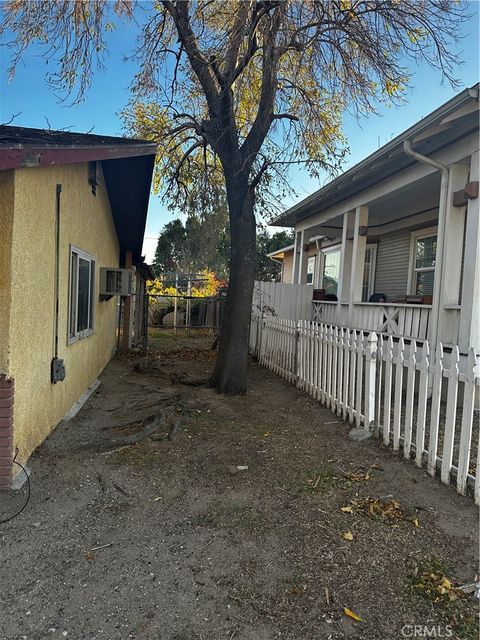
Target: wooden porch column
{"points": [[127, 310], [346, 249], [470, 312], [452, 253], [358, 259], [297, 257]]}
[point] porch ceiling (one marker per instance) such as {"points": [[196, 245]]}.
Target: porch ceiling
{"points": [[404, 205]]}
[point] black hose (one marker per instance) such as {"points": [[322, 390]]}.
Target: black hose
{"points": [[15, 461]]}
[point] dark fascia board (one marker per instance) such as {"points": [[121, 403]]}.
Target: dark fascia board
{"points": [[302, 210], [22, 147], [48, 156]]}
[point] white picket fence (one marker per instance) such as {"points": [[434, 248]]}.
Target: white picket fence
{"points": [[420, 405]]}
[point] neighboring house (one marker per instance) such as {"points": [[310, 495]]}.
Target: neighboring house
{"points": [[71, 205], [284, 256], [396, 238]]}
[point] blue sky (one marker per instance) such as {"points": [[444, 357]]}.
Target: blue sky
{"points": [[29, 96]]}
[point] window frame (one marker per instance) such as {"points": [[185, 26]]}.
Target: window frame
{"points": [[76, 335], [324, 252], [338, 247], [309, 258], [371, 246], [412, 268]]}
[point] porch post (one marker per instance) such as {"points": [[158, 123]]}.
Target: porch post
{"points": [[345, 263], [127, 310], [449, 289], [300, 257], [358, 260], [297, 257], [470, 310]]}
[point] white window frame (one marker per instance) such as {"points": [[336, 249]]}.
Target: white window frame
{"points": [[338, 247], [309, 258], [75, 336], [371, 279], [324, 251], [412, 270]]}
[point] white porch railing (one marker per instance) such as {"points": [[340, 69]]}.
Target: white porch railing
{"points": [[325, 311], [392, 389], [399, 320]]}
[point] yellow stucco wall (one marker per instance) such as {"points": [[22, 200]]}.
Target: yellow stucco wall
{"points": [[6, 228], [86, 222], [287, 274]]}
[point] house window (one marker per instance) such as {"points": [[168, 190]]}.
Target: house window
{"points": [[310, 269], [423, 268], [331, 270], [81, 295]]}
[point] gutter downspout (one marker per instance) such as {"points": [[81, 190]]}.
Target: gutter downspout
{"points": [[442, 214]]}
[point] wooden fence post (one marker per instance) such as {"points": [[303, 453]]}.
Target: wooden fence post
{"points": [[295, 354], [422, 404], [435, 410], [370, 378], [467, 423]]}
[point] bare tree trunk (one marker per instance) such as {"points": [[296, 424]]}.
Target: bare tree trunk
{"points": [[230, 374]]}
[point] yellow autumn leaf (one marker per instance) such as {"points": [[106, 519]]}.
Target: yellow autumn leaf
{"points": [[446, 584], [347, 509], [351, 614], [415, 522], [348, 535]]}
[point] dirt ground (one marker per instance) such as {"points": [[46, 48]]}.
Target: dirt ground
{"points": [[168, 540]]}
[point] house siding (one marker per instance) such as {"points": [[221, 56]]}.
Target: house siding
{"points": [[86, 222], [393, 256]]}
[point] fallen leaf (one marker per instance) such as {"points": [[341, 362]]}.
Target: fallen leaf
{"points": [[267, 434], [446, 584], [348, 535], [347, 509], [351, 614], [415, 522], [89, 556]]}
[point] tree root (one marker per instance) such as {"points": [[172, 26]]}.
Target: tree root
{"points": [[155, 424], [182, 378], [152, 427], [178, 424]]}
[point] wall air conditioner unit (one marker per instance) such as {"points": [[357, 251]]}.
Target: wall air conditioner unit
{"points": [[116, 282]]}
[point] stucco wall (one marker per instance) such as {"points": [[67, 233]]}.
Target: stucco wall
{"points": [[6, 228], [287, 273], [87, 223]]}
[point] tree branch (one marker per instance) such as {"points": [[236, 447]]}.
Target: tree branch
{"points": [[201, 67], [288, 116]]}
